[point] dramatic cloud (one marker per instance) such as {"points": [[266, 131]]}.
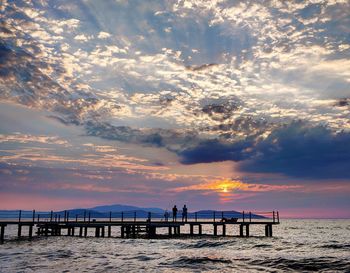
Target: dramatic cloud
{"points": [[297, 149], [163, 88]]}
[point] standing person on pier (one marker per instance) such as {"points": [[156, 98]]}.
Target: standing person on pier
{"points": [[184, 213], [166, 215], [174, 213]]}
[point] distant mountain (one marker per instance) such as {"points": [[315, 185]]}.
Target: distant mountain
{"points": [[119, 208]]}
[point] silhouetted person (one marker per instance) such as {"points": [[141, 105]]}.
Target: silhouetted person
{"points": [[184, 213], [174, 213], [166, 215]]}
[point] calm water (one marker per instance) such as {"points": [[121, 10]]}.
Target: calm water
{"points": [[297, 245]]}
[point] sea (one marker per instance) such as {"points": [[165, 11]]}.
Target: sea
{"points": [[296, 246]]}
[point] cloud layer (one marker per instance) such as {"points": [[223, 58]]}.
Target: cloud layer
{"points": [[264, 85]]}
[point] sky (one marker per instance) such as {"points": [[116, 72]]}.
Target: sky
{"points": [[227, 105]]}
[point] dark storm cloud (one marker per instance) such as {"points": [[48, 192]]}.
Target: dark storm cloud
{"points": [[301, 151], [296, 150], [213, 151]]}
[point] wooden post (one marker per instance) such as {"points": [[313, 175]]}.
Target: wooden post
{"points": [[241, 230], [267, 230], [223, 230], [215, 230], [103, 231], [46, 230], [85, 231], [247, 230], [214, 216], [278, 217], [30, 231], [97, 232], [270, 231], [243, 215], [51, 214], [33, 215], [178, 230], [122, 231], [65, 216], [19, 231], [109, 231], [20, 216], [2, 234], [133, 231], [73, 231], [81, 232], [200, 229], [170, 231], [273, 216], [191, 229]]}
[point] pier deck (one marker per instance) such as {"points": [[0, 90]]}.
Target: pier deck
{"points": [[134, 227]]}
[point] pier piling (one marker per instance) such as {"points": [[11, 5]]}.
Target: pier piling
{"points": [[2, 234], [19, 233]]}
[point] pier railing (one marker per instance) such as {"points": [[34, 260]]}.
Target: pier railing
{"points": [[135, 216]]}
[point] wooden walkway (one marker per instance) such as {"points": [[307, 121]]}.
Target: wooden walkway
{"points": [[135, 228]]}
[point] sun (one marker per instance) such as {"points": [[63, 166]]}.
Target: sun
{"points": [[224, 188]]}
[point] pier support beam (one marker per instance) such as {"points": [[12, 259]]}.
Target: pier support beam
{"points": [[240, 230], [200, 229], [152, 231], [122, 231], [133, 231], [19, 233], [81, 232], [97, 232], [103, 231], [247, 230], [191, 229], [30, 234], [268, 230], [109, 231], [2, 234], [170, 231], [85, 231], [224, 230], [215, 230], [73, 231]]}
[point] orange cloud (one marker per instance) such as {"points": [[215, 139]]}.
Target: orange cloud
{"points": [[229, 186]]}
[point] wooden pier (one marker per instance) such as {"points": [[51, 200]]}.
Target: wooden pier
{"points": [[134, 227]]}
